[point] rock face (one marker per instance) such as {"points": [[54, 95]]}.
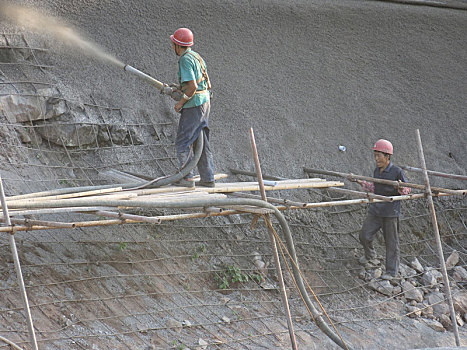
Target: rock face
{"points": [[68, 134], [44, 105], [420, 286], [62, 123]]}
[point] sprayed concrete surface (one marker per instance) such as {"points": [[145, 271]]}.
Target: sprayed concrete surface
{"points": [[307, 75]]}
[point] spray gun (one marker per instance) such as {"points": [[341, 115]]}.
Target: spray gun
{"points": [[165, 89]]}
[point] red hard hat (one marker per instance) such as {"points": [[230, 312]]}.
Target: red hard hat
{"points": [[182, 37], [383, 146]]}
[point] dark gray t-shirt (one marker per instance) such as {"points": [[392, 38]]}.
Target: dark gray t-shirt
{"points": [[387, 209]]}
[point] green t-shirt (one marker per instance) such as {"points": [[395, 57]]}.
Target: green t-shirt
{"points": [[190, 69]]}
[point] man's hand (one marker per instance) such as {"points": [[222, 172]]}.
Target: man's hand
{"points": [[402, 190], [178, 107]]}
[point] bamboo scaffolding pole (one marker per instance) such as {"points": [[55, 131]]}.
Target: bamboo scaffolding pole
{"points": [[382, 181], [246, 209], [60, 191], [67, 210], [434, 173], [361, 194], [121, 195], [285, 301], [269, 199], [129, 217], [222, 188], [70, 195], [19, 274], [173, 217], [181, 197], [252, 173], [54, 224], [434, 220]]}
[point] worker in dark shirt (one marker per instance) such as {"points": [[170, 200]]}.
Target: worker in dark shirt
{"points": [[383, 215]]}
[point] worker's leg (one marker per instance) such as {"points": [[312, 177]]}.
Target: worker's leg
{"points": [[206, 163], [187, 125], [370, 228], [391, 238]]}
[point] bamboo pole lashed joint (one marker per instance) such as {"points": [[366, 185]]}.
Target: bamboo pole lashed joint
{"points": [[438, 240]]}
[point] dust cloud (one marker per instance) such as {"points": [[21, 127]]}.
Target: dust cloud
{"points": [[40, 23]]}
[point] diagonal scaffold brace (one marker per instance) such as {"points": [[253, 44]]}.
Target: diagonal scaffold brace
{"points": [[19, 273], [273, 243], [439, 246]]}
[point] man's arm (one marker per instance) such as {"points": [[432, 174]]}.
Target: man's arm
{"points": [[190, 90], [403, 190], [367, 186]]}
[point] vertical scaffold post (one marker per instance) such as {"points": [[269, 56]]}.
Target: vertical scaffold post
{"points": [[273, 244], [19, 274], [438, 239]]}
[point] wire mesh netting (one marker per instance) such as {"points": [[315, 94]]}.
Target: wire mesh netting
{"points": [[178, 284]]}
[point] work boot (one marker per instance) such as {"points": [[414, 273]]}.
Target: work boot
{"points": [[206, 183], [185, 183], [374, 261], [387, 277], [363, 260]]}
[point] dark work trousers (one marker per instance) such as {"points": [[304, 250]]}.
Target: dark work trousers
{"points": [[390, 226], [192, 121]]}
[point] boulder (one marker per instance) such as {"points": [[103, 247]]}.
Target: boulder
{"points": [[44, 105], [452, 260], [436, 300], [435, 325], [415, 264], [377, 272], [459, 300], [431, 278], [411, 293], [413, 311], [70, 135], [445, 320], [460, 320], [406, 271], [460, 274], [426, 310], [20, 109], [384, 287]]}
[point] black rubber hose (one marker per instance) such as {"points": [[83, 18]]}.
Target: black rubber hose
{"points": [[162, 181], [167, 180], [190, 203]]}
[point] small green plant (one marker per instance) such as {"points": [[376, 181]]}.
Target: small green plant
{"points": [[256, 277], [122, 246], [232, 274], [198, 251], [178, 346]]}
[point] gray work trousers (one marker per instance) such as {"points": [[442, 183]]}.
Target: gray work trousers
{"points": [[389, 225], [192, 121]]}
